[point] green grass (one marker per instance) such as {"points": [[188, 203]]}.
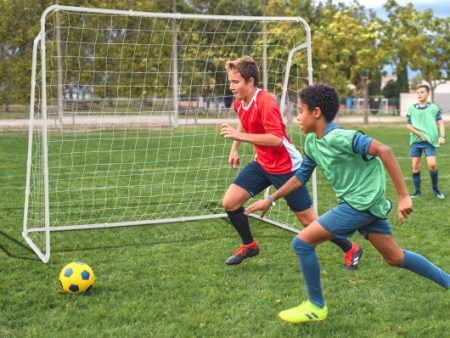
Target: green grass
{"points": [[169, 280]]}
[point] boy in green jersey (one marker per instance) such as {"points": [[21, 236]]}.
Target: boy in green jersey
{"points": [[354, 164], [423, 119]]}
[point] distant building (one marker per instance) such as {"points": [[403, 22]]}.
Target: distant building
{"points": [[442, 97]]}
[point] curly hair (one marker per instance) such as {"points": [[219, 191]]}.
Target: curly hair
{"points": [[323, 97], [246, 66]]}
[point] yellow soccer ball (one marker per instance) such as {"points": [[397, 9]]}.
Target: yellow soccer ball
{"points": [[76, 277]]}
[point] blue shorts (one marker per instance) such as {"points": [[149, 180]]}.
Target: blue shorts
{"points": [[343, 220], [254, 179], [416, 149]]}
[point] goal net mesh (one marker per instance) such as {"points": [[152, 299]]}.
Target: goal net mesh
{"points": [[124, 145]]}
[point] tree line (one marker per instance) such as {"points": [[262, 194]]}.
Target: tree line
{"points": [[350, 44]]}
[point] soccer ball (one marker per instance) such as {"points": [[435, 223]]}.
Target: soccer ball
{"points": [[76, 277]]}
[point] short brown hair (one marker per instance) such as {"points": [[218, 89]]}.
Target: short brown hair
{"points": [[423, 85], [246, 66]]}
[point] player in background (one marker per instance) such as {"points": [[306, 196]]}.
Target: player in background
{"points": [[355, 166], [423, 120], [276, 160]]}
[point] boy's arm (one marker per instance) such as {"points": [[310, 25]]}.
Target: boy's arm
{"points": [[267, 140], [264, 204], [233, 158], [236, 144], [410, 127], [390, 163], [273, 137], [441, 132]]}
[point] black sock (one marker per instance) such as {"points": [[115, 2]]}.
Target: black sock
{"points": [[343, 243], [416, 181], [240, 223], [434, 180]]}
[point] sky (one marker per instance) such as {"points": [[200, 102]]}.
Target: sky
{"points": [[440, 8]]}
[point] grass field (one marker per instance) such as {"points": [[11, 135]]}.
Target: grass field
{"points": [[169, 280]]}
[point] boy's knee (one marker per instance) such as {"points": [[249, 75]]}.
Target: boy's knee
{"points": [[394, 260], [229, 204], [301, 247], [306, 217], [225, 204], [432, 167]]}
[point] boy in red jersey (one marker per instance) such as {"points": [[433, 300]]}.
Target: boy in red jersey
{"points": [[276, 160]]}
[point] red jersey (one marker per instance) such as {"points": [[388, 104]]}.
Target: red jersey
{"points": [[262, 116]]}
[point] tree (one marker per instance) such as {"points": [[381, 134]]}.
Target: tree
{"points": [[432, 58], [402, 78], [398, 32], [375, 84], [418, 40], [18, 28], [391, 90], [346, 49]]}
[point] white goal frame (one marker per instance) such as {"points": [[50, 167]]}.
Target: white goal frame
{"points": [[40, 46]]}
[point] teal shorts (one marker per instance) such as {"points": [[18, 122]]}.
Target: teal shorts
{"points": [[416, 149], [343, 220]]}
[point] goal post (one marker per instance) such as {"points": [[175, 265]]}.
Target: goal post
{"points": [[139, 139]]}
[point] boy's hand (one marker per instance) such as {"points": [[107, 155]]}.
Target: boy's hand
{"points": [[263, 205], [228, 131], [441, 140], [404, 208], [234, 159], [423, 137]]}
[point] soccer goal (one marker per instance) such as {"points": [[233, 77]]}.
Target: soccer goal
{"points": [[126, 109]]}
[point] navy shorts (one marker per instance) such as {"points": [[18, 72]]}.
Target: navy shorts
{"points": [[416, 149], [343, 220], [254, 179]]}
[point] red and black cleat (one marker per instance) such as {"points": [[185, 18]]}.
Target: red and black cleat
{"points": [[352, 257], [245, 251]]}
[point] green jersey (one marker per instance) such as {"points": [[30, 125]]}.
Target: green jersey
{"points": [[357, 179], [424, 120]]}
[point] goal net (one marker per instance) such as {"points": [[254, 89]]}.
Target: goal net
{"points": [[126, 109]]}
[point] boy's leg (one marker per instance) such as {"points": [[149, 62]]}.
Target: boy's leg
{"points": [[352, 251], [341, 221], [395, 256], [432, 167], [416, 176], [249, 182], [300, 203], [234, 199], [304, 245], [307, 216]]}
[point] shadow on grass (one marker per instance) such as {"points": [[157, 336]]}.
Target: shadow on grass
{"points": [[19, 246], [4, 238]]}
